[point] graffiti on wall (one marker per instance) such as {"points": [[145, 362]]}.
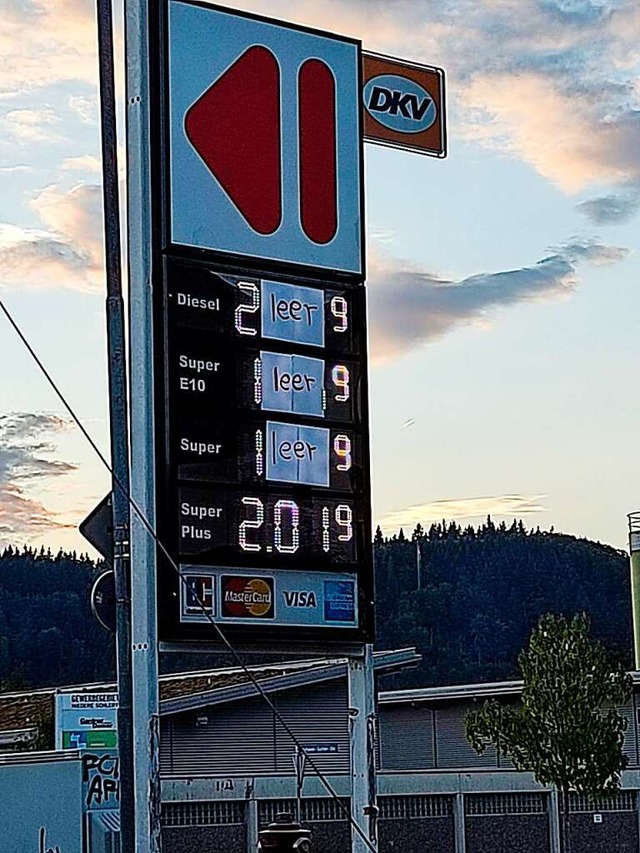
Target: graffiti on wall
{"points": [[43, 846], [101, 779]]}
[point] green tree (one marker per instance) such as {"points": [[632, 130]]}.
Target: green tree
{"points": [[567, 729]]}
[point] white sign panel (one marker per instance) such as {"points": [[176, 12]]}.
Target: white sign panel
{"points": [[86, 720]]}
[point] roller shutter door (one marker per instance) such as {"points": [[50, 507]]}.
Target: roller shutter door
{"points": [[317, 715], [406, 738], [453, 750], [226, 740]]}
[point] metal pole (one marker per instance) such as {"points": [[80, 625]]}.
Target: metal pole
{"points": [[146, 720], [634, 550], [460, 835], [118, 417], [299, 761], [554, 821], [362, 718]]}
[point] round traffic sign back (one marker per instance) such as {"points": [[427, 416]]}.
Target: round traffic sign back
{"points": [[103, 600]]}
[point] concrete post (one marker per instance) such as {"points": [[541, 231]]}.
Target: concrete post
{"points": [[554, 822], [251, 818], [459, 825]]}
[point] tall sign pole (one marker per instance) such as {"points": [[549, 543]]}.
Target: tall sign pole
{"points": [[143, 548], [118, 418]]}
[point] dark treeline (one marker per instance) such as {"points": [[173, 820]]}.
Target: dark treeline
{"points": [[468, 605], [480, 591], [48, 634]]}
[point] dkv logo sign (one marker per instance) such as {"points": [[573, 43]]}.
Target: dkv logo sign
{"points": [[399, 103]]}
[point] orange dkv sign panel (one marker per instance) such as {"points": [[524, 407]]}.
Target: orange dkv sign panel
{"points": [[404, 105]]}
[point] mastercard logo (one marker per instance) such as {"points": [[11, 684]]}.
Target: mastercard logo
{"points": [[247, 598]]}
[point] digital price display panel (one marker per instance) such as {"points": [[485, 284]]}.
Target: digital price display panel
{"points": [[246, 307], [267, 529], [264, 502], [258, 452], [204, 372]]}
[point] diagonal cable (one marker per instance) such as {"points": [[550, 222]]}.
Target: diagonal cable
{"points": [[149, 528]]}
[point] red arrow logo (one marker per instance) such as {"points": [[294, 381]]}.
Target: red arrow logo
{"points": [[317, 146], [235, 128]]}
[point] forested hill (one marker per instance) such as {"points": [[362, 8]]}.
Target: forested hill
{"points": [[469, 610], [481, 591], [48, 634]]}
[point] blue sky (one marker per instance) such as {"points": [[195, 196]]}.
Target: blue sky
{"points": [[503, 280]]}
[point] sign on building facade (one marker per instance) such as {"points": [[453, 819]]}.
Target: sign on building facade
{"points": [[86, 720]]}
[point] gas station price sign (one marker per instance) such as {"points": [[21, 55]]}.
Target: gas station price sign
{"points": [[260, 443], [265, 442]]}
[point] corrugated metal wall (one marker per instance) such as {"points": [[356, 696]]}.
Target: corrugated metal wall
{"points": [[221, 740], [245, 739], [419, 738], [316, 715], [406, 737], [453, 750]]}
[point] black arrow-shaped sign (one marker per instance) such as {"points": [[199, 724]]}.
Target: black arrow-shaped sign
{"points": [[97, 528]]}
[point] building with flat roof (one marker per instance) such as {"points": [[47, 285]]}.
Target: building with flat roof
{"points": [[226, 765]]}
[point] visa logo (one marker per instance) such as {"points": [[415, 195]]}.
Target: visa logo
{"points": [[300, 598], [399, 103]]}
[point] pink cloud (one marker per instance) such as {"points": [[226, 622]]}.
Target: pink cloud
{"points": [[509, 506], [28, 460], [565, 138], [67, 252]]}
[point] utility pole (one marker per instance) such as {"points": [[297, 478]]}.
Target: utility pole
{"points": [[118, 418]]}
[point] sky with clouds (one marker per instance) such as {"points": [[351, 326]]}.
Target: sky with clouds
{"points": [[503, 281]]}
